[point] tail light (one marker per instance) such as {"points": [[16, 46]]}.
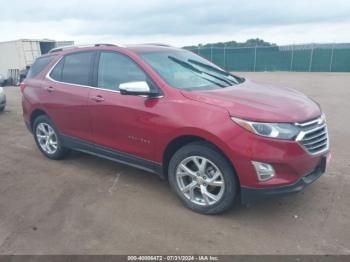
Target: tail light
{"points": [[22, 86]]}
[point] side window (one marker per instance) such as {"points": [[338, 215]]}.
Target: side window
{"points": [[114, 69], [56, 73], [39, 66], [76, 68]]}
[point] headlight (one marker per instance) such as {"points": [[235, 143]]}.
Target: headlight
{"points": [[275, 130]]}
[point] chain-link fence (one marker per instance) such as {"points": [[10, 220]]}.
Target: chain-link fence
{"points": [[302, 58]]}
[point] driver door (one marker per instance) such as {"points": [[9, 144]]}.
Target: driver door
{"points": [[121, 123]]}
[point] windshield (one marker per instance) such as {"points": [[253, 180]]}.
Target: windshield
{"points": [[185, 70]]}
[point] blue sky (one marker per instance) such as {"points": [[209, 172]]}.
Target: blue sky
{"points": [[177, 22]]}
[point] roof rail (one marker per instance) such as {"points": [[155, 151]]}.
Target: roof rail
{"points": [[158, 44], [62, 48], [106, 45]]}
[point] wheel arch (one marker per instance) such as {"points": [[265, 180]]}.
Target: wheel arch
{"points": [[182, 140], [36, 113]]}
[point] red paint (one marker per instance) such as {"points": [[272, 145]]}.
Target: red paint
{"points": [[145, 126]]}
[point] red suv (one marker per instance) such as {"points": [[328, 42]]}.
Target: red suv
{"points": [[215, 136]]}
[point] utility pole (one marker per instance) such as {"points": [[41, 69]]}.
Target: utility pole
{"points": [[225, 56], [291, 60], [331, 62], [311, 55], [255, 58]]}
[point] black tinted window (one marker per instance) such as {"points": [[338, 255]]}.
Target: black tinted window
{"points": [[39, 66], [76, 68], [115, 69], [56, 73]]}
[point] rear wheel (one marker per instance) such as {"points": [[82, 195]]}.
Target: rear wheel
{"points": [[203, 178], [48, 139]]}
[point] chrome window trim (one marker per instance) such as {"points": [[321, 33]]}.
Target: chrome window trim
{"points": [[47, 76], [71, 84]]}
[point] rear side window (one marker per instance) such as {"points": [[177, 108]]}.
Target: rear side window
{"points": [[39, 66], [74, 68], [56, 73]]}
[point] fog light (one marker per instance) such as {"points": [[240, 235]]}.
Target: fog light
{"points": [[263, 171]]}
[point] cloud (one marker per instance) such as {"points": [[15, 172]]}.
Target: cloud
{"points": [[174, 20]]}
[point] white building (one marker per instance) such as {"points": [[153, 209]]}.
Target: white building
{"points": [[16, 55]]}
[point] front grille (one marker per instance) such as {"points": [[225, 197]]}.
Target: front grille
{"points": [[314, 135]]}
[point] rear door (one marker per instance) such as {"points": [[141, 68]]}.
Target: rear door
{"points": [[66, 94]]}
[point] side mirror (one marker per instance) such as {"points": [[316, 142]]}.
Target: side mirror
{"points": [[136, 88]]}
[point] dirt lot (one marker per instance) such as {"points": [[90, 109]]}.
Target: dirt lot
{"points": [[86, 205]]}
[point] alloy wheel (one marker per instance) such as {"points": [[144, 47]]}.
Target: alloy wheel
{"points": [[47, 138], [200, 180]]}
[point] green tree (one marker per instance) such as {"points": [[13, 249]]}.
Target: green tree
{"points": [[249, 43]]}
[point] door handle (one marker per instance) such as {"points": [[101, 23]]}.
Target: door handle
{"points": [[49, 89], [97, 98]]}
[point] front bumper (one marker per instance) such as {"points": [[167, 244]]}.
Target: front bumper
{"points": [[288, 158], [251, 195]]}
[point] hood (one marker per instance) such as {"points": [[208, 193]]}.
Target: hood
{"points": [[260, 102]]}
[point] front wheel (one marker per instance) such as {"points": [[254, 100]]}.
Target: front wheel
{"points": [[203, 178]]}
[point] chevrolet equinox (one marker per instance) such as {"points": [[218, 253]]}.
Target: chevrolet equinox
{"points": [[214, 136]]}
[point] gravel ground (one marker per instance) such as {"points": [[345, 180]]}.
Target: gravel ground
{"points": [[87, 205]]}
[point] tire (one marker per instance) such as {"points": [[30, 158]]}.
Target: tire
{"points": [[207, 160], [54, 148], [2, 108]]}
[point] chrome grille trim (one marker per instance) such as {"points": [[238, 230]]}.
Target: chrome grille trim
{"points": [[316, 141], [313, 136], [314, 129], [309, 123], [314, 147]]}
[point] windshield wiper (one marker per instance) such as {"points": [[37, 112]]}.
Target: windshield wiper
{"points": [[197, 71], [227, 81], [188, 65], [214, 69]]}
